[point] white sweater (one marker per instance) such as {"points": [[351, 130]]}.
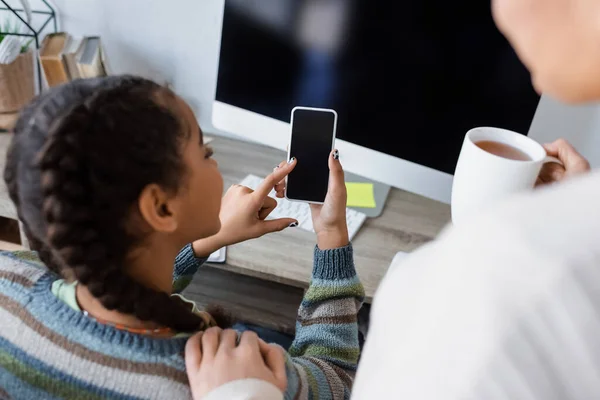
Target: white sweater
{"points": [[505, 306]]}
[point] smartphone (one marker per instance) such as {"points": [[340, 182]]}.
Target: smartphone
{"points": [[311, 142]]}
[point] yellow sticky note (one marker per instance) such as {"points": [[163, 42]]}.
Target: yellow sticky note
{"points": [[360, 195]]}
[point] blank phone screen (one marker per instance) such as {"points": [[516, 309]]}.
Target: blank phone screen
{"points": [[311, 144]]}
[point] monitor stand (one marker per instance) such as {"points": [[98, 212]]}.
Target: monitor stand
{"points": [[381, 191]]}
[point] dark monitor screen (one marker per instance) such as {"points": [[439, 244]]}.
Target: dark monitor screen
{"points": [[407, 78]]}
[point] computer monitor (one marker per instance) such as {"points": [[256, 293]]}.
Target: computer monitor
{"points": [[408, 79]]}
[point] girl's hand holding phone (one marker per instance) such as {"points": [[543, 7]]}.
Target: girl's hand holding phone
{"points": [[329, 219], [244, 212]]}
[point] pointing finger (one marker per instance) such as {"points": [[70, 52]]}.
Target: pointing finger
{"points": [[273, 179]]}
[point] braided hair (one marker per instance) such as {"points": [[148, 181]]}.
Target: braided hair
{"points": [[80, 157]]}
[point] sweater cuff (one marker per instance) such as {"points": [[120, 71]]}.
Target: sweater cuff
{"points": [[334, 264], [186, 260], [245, 389]]}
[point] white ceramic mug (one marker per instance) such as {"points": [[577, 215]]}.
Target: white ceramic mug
{"points": [[482, 178]]}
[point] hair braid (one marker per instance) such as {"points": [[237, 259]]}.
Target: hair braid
{"points": [[86, 199], [10, 178]]}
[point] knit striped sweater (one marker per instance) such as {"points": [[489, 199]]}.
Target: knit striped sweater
{"points": [[50, 351]]}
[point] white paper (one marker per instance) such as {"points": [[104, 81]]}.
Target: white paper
{"points": [[10, 48]]}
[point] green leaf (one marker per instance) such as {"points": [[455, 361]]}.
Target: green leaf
{"points": [[25, 47]]}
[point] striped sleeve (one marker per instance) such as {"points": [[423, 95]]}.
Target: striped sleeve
{"points": [[323, 358], [186, 265]]}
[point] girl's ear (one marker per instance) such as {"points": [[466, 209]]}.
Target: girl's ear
{"points": [[158, 209]]}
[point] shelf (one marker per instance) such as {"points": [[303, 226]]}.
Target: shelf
{"points": [[33, 33]]}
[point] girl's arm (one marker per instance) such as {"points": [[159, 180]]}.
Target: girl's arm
{"points": [[323, 358], [186, 265]]}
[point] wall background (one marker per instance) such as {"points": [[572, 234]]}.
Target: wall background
{"points": [[177, 41]]}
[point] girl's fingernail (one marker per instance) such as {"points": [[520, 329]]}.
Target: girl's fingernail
{"points": [[336, 155], [292, 160], [276, 167], [293, 224]]}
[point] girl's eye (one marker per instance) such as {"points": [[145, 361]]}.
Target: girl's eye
{"points": [[208, 152]]}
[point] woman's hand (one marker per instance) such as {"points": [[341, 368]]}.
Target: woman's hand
{"points": [[329, 219], [573, 163], [213, 358], [244, 212]]}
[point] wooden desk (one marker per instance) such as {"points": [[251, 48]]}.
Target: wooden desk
{"points": [[7, 120], [407, 222]]}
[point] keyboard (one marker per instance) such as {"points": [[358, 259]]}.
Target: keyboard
{"points": [[301, 211]]}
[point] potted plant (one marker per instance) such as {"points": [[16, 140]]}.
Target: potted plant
{"points": [[17, 83]]}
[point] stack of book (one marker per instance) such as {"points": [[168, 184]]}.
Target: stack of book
{"points": [[65, 58]]}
